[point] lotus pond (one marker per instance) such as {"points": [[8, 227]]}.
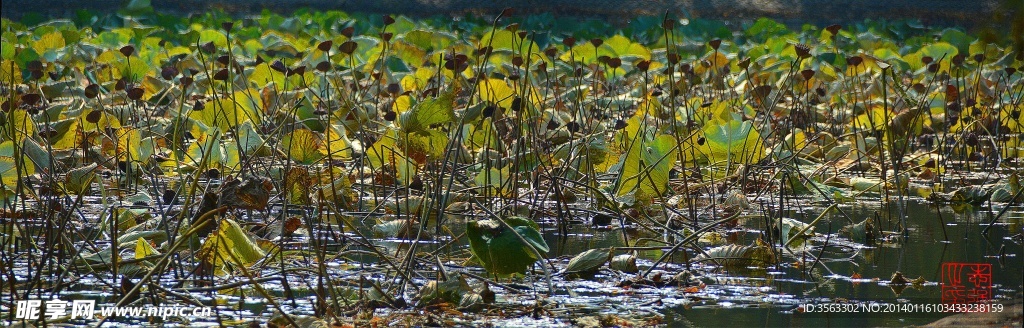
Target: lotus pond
{"points": [[333, 169]]}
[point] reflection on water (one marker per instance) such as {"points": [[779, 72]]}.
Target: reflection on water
{"points": [[854, 273], [847, 272], [921, 254]]}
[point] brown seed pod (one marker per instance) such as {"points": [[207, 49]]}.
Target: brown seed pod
{"points": [[714, 44], [325, 46], [958, 60], [517, 104], [168, 73], [644, 65], [573, 127], [221, 75], [136, 93], [918, 87], [483, 51], [614, 62], [30, 99], [552, 124], [551, 52], [394, 88], [34, 65], [834, 29], [348, 47], [744, 63], [807, 74], [416, 184], [323, 66], [277, 65], [802, 50], [620, 124], [128, 50], [92, 91], [94, 116], [208, 47], [952, 93]]}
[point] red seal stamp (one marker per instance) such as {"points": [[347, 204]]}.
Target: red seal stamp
{"points": [[966, 283]]}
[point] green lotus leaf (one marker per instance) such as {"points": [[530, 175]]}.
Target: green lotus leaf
{"points": [[438, 110], [588, 261], [303, 146], [645, 168], [732, 141], [230, 246], [498, 248]]}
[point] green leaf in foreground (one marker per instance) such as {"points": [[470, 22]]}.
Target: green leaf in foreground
{"points": [[434, 111], [144, 249], [645, 168], [11, 168], [8, 171], [230, 245], [226, 113], [735, 256], [385, 153], [732, 141], [588, 261], [78, 180], [303, 146], [498, 248]]}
